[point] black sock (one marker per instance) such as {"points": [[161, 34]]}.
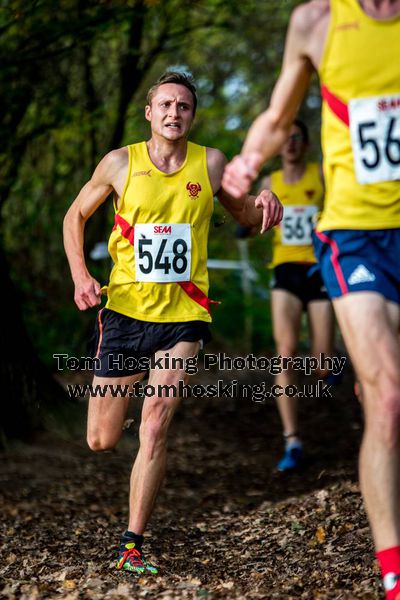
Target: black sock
{"points": [[130, 536]]}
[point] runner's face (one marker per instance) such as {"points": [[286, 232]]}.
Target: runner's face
{"points": [[295, 147], [171, 111]]}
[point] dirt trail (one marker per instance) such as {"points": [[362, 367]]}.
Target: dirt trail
{"points": [[225, 525]]}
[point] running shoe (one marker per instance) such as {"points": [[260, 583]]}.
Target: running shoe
{"points": [[131, 559], [292, 458]]}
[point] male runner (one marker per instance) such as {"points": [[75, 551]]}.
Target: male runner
{"points": [[354, 45], [157, 295], [296, 282]]}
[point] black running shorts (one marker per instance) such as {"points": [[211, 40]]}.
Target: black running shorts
{"points": [[122, 343], [302, 280]]}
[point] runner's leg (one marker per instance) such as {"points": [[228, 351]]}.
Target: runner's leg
{"points": [[321, 322], [286, 321], [149, 467], [106, 415], [369, 325]]}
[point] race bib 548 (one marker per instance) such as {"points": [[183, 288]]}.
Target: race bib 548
{"points": [[162, 252]]}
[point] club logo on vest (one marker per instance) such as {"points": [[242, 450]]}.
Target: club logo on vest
{"points": [[310, 193], [193, 189]]}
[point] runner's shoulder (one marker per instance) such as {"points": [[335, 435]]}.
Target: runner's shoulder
{"points": [[117, 159], [216, 161], [306, 17], [111, 164], [215, 158]]}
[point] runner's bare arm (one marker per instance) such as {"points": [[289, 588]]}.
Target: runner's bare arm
{"points": [[265, 184], [264, 209], [270, 130], [91, 196]]}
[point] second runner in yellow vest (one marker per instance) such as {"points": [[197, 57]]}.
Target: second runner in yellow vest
{"points": [[302, 201]]}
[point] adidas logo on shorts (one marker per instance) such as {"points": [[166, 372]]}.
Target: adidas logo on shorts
{"points": [[390, 581], [361, 275]]}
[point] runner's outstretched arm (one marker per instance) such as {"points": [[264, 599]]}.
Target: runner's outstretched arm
{"points": [[269, 131], [264, 209]]}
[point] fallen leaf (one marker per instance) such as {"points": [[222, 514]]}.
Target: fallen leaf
{"points": [[320, 535]]}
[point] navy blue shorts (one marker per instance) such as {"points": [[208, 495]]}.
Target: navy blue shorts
{"points": [[124, 345], [359, 260]]}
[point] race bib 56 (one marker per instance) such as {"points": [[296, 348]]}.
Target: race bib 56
{"points": [[375, 138]]}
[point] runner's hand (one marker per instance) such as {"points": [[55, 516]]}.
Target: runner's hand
{"points": [[87, 293], [271, 207], [240, 173]]}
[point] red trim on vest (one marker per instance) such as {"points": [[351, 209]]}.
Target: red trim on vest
{"points": [[337, 106], [127, 230], [197, 295], [189, 287]]}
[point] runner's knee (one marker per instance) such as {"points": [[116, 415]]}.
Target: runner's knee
{"points": [[384, 415], [100, 443], [286, 349], [388, 421], [154, 426]]}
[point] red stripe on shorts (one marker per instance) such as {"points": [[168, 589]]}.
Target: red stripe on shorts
{"points": [[335, 261]]}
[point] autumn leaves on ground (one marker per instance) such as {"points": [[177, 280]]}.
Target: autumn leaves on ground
{"points": [[225, 525]]}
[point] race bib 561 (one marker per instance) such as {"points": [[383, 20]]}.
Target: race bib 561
{"points": [[297, 225]]}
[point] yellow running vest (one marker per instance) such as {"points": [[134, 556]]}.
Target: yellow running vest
{"points": [[159, 240], [291, 240], [360, 78]]}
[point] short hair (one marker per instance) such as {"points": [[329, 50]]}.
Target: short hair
{"points": [[303, 128], [174, 77]]}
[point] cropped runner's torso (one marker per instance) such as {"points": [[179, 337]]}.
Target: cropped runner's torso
{"points": [[360, 78], [159, 240], [301, 201]]}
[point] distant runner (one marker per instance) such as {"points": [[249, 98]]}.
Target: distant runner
{"points": [[296, 282]]}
